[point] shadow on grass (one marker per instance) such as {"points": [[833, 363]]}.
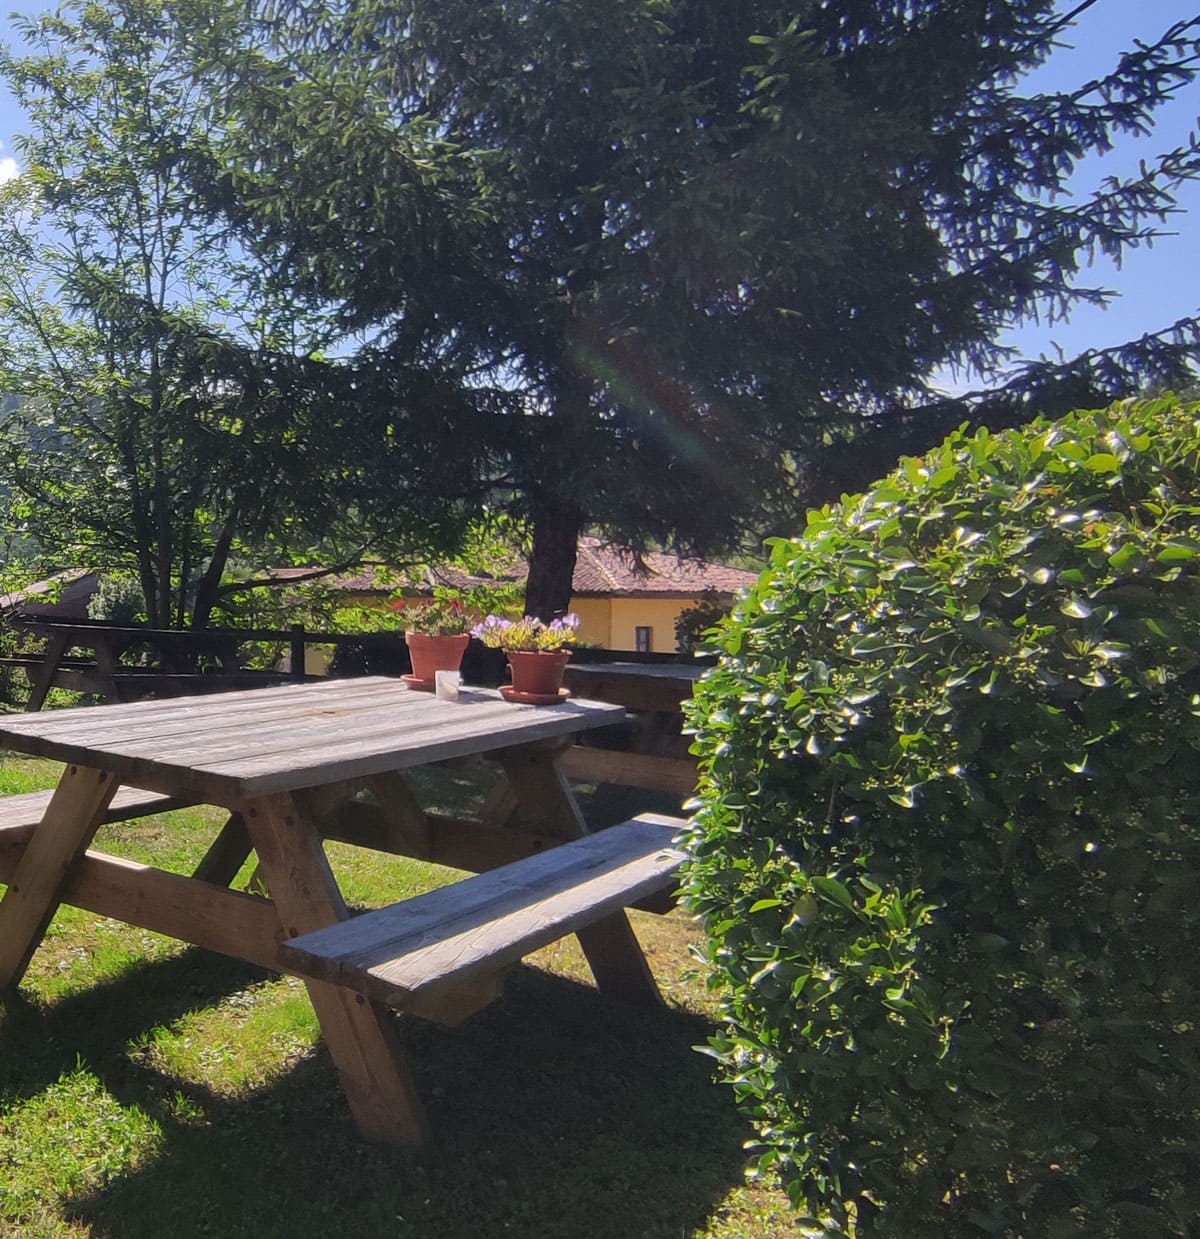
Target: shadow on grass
{"points": [[94, 1026], [554, 1112]]}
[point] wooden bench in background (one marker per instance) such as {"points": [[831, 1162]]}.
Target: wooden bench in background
{"points": [[655, 755], [471, 930]]}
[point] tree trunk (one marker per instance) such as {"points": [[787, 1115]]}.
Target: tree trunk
{"points": [[556, 526], [208, 588]]}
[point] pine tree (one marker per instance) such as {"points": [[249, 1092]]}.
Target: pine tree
{"points": [[676, 252]]}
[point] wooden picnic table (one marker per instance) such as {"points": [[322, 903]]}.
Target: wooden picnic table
{"points": [[654, 755], [299, 763], [659, 688]]}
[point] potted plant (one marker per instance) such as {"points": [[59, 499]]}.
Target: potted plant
{"points": [[537, 654], [437, 631]]}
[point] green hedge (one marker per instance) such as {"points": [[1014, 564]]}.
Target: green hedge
{"points": [[945, 845]]}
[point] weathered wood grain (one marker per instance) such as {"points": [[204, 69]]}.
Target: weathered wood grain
{"points": [[227, 748], [645, 770], [482, 924], [208, 916], [359, 1036], [23, 811], [72, 817]]}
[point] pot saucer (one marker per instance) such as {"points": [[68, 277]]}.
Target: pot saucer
{"points": [[413, 681], [533, 699]]}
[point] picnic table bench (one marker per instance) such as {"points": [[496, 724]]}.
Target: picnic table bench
{"points": [[481, 925], [291, 765]]}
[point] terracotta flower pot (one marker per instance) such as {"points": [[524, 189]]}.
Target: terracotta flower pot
{"points": [[430, 655], [537, 674]]}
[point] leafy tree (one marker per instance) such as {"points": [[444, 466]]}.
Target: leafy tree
{"points": [[693, 622], [686, 248], [176, 408]]}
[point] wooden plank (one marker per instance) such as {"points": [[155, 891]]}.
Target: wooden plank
{"points": [[35, 662], [226, 854], [77, 680], [462, 844], [453, 1004], [325, 753], [222, 726], [203, 639], [545, 797], [487, 922], [407, 824], [644, 770], [134, 686], [56, 647], [362, 1043], [208, 916], [457, 843], [179, 717], [500, 805], [353, 732], [24, 810], [545, 801], [71, 819], [653, 687], [615, 957]]}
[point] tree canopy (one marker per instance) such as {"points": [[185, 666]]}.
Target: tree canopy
{"points": [[687, 246], [171, 405], [330, 276]]}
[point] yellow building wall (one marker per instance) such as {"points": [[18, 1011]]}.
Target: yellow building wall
{"points": [[657, 614], [595, 621], [606, 622]]}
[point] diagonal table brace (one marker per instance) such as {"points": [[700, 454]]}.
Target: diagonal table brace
{"points": [[72, 817]]}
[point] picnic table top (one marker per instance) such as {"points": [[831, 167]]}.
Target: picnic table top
{"points": [[227, 748]]}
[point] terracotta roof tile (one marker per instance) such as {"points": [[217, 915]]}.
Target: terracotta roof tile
{"points": [[601, 568]]}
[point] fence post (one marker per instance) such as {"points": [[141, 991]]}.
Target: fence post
{"points": [[296, 659]]}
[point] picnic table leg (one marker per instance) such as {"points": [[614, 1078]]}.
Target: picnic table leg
{"points": [[72, 817], [359, 1035], [226, 854], [40, 684], [544, 797]]}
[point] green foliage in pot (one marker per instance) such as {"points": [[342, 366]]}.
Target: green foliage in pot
{"points": [[443, 614], [947, 842]]}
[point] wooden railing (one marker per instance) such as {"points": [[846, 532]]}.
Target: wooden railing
{"points": [[90, 656]]}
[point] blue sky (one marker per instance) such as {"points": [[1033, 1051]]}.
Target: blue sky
{"points": [[1157, 284]]}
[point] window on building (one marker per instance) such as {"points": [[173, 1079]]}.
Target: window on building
{"points": [[643, 639]]}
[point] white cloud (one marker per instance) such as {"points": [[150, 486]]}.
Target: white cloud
{"points": [[8, 169]]}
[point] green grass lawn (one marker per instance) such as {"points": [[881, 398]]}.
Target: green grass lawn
{"points": [[152, 1090]]}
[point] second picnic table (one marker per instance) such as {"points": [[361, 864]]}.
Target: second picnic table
{"points": [[292, 764]]}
